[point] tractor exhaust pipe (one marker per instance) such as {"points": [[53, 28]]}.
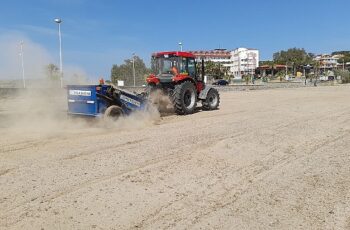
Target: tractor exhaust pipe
{"points": [[203, 70]]}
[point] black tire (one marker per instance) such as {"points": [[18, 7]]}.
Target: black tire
{"points": [[212, 101], [184, 98], [113, 112]]}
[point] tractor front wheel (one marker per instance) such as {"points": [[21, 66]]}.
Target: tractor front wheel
{"points": [[184, 98], [212, 101]]}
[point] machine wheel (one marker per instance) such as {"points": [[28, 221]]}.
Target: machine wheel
{"points": [[212, 101], [113, 112], [184, 98]]}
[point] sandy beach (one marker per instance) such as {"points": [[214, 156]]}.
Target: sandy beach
{"points": [[267, 159]]}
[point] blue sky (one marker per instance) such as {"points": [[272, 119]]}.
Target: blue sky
{"points": [[97, 34]]}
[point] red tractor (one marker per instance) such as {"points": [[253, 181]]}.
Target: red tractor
{"points": [[176, 74]]}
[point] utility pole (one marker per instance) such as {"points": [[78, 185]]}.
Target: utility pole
{"points": [[22, 64]]}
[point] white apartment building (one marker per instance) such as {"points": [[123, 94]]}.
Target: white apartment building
{"points": [[240, 61], [243, 61]]}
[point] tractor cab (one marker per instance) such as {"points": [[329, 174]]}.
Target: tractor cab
{"points": [[168, 65]]}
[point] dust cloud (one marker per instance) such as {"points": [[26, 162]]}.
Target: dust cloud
{"points": [[136, 120], [42, 113], [161, 101], [36, 58], [40, 110]]}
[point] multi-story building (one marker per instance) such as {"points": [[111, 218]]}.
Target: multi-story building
{"points": [[244, 61], [239, 61], [327, 62]]}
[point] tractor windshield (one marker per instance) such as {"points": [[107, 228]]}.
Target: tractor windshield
{"points": [[164, 64]]}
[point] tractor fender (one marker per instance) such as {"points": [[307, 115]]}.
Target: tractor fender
{"points": [[181, 78], [203, 94]]}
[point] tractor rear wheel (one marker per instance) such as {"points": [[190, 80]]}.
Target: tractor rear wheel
{"points": [[184, 98], [113, 112], [212, 101]]}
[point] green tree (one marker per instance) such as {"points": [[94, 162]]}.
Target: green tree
{"points": [[52, 72], [344, 74], [316, 69], [124, 72], [268, 62], [215, 69], [345, 56], [294, 56]]}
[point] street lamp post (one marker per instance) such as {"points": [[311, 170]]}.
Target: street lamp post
{"points": [[59, 21], [133, 68], [22, 64], [180, 44]]}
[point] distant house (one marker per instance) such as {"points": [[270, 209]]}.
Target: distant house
{"points": [[327, 62], [271, 69]]}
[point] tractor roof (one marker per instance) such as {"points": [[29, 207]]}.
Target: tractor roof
{"points": [[173, 53]]}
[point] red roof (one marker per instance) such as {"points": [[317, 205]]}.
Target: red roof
{"points": [[265, 67], [279, 66], [176, 53], [211, 53]]}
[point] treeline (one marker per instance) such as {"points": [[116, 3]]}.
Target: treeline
{"points": [[293, 56], [299, 57], [125, 72]]}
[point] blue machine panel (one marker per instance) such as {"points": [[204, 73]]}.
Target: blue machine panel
{"points": [[93, 100], [82, 100]]}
